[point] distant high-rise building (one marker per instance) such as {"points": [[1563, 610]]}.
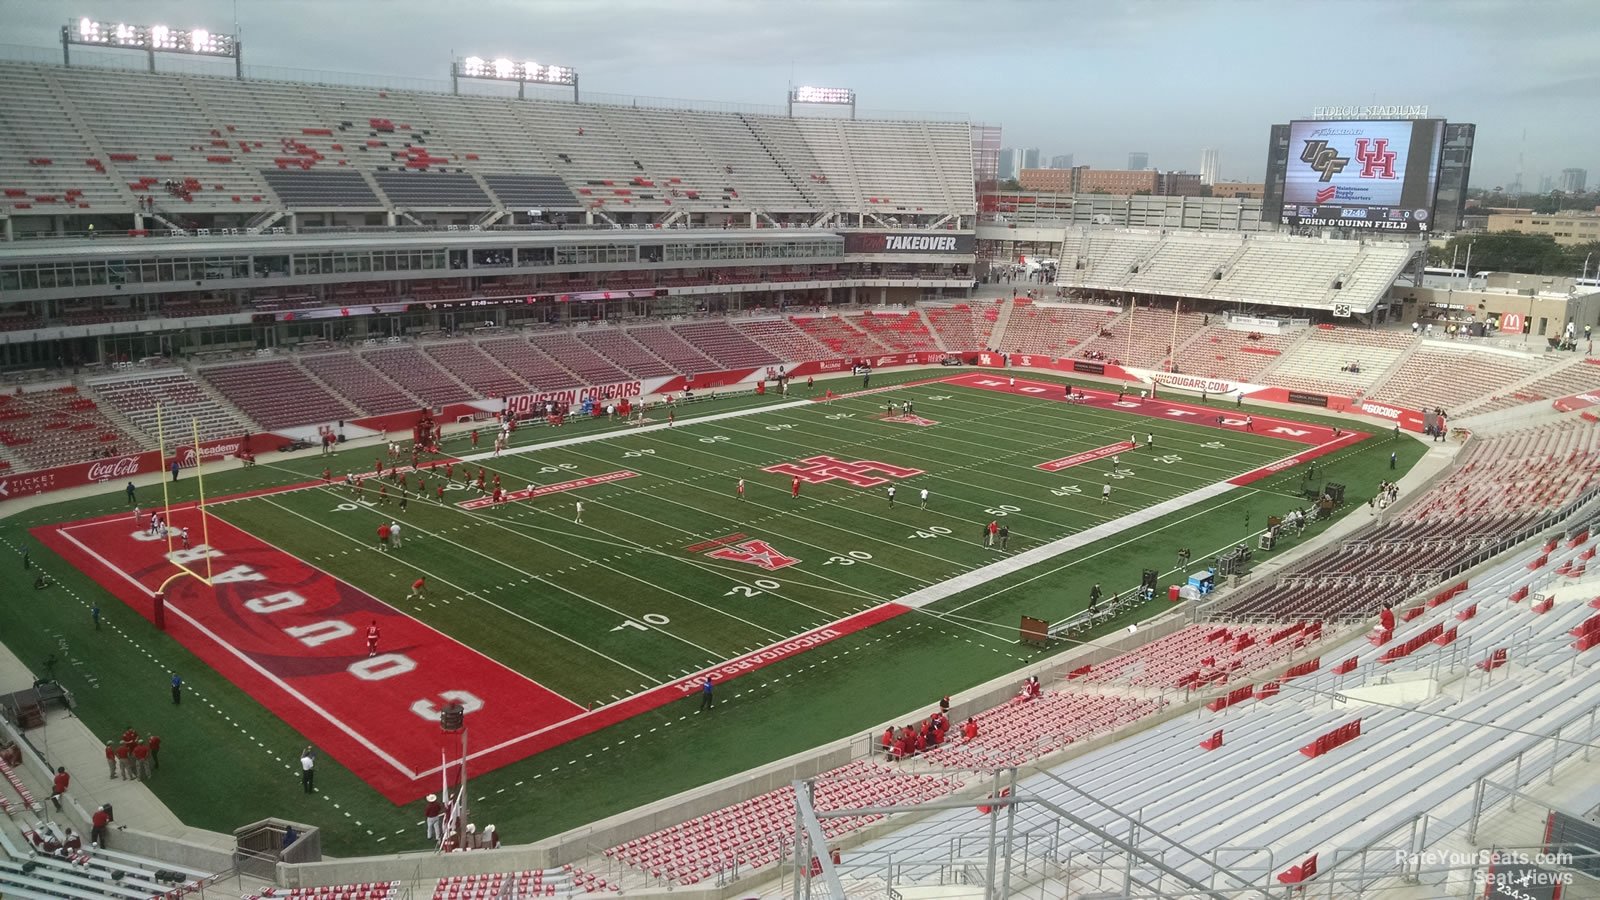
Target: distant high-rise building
{"points": [[1008, 163], [1208, 166], [1061, 161], [1547, 183], [1030, 157], [1573, 181], [1138, 161]]}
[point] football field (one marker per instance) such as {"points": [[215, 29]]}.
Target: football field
{"points": [[619, 570]]}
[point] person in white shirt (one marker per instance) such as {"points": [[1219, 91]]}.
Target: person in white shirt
{"points": [[578, 519], [394, 535], [924, 498]]}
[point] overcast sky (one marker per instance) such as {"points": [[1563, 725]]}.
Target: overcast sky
{"points": [[1094, 79]]}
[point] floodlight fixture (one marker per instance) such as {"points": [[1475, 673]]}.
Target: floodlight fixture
{"points": [[152, 39], [504, 68], [822, 96]]}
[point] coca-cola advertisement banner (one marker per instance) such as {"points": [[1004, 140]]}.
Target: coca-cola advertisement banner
{"points": [[100, 471]]}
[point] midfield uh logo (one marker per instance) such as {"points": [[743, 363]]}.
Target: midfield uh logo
{"points": [[820, 469], [754, 553]]}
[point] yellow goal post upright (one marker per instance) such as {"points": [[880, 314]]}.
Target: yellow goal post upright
{"points": [[182, 561]]}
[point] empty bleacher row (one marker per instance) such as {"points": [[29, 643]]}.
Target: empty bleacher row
{"points": [[1435, 378], [1273, 270], [756, 832], [54, 427], [1574, 377], [1501, 485], [170, 404], [98, 139], [1267, 790]]}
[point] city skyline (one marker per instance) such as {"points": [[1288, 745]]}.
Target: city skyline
{"points": [[1525, 121]]}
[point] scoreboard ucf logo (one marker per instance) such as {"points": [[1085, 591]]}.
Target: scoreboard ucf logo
{"points": [[1326, 160]]}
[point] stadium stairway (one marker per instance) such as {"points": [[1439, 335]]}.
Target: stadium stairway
{"points": [[938, 339], [997, 336]]}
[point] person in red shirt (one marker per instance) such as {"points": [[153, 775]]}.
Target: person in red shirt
{"points": [[377, 466], [125, 761], [994, 528], [441, 494], [449, 470], [97, 833], [1386, 619], [497, 481], [474, 438], [888, 743], [383, 536], [141, 759], [60, 786], [794, 488], [111, 758], [419, 588], [372, 638], [481, 479], [327, 475], [969, 728], [383, 493], [155, 752]]}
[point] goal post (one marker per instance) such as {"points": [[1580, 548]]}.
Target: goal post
{"points": [[174, 455]]}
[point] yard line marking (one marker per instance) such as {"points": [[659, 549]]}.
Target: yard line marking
{"points": [[493, 523], [483, 599]]}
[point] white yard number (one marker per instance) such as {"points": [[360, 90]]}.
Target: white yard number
{"points": [[783, 427], [553, 470], [838, 416], [940, 397], [849, 559], [1213, 445], [635, 454], [1169, 459], [650, 618], [1122, 473], [715, 439], [745, 590], [932, 531], [1002, 511], [1066, 490], [351, 507]]}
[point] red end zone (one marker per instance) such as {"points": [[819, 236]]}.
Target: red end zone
{"points": [[1320, 439], [294, 638]]}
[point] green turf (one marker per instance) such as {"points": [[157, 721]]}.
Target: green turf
{"points": [[535, 591]]}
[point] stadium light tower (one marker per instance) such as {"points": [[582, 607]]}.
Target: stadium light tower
{"points": [[152, 39], [503, 69], [822, 96]]}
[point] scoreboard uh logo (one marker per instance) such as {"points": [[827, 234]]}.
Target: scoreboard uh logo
{"points": [[1377, 160]]}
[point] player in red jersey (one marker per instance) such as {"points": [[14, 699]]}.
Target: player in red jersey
{"points": [[372, 638], [474, 438], [740, 489], [441, 495], [419, 589], [383, 493], [794, 488]]}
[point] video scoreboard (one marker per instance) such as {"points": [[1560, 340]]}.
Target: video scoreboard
{"points": [[1377, 174]]}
